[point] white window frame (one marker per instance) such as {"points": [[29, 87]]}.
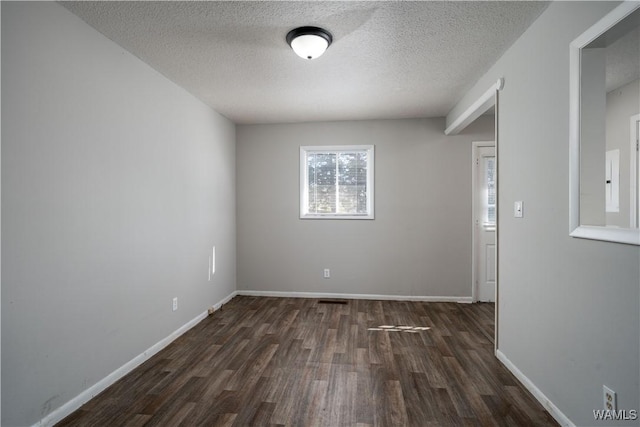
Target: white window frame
{"points": [[304, 180]]}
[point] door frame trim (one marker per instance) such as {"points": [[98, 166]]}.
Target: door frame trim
{"points": [[634, 168]]}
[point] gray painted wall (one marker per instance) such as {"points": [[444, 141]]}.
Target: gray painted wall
{"points": [[420, 241], [569, 308], [115, 184], [593, 107]]}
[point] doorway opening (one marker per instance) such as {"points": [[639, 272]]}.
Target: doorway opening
{"points": [[459, 121], [484, 191]]}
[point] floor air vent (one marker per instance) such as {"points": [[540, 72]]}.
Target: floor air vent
{"points": [[333, 301]]}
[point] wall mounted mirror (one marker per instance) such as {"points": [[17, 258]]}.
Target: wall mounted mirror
{"points": [[605, 128]]}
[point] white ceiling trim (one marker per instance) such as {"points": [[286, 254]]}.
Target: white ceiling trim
{"points": [[475, 110]]}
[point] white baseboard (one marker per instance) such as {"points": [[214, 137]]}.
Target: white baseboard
{"points": [[352, 296], [75, 403], [561, 418], [225, 300]]}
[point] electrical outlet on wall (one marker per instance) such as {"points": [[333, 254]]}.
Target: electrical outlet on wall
{"points": [[609, 399], [326, 273], [175, 304]]}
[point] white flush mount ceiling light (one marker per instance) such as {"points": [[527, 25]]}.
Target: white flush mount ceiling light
{"points": [[309, 42]]}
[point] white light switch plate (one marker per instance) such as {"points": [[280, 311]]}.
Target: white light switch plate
{"points": [[518, 207]]}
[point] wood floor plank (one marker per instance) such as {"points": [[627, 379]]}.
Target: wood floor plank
{"points": [[268, 361], [394, 400]]}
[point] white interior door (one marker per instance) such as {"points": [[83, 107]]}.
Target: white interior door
{"points": [[485, 198]]}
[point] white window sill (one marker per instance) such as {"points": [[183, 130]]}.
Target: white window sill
{"points": [[336, 216]]}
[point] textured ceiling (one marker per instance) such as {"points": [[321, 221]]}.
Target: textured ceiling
{"points": [[623, 52], [387, 60]]}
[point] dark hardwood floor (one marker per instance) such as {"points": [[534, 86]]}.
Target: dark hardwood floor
{"points": [[307, 362]]}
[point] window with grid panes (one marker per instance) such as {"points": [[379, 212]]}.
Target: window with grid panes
{"points": [[336, 182]]}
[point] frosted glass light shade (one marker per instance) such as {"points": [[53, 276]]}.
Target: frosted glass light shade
{"points": [[309, 47], [309, 42]]}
